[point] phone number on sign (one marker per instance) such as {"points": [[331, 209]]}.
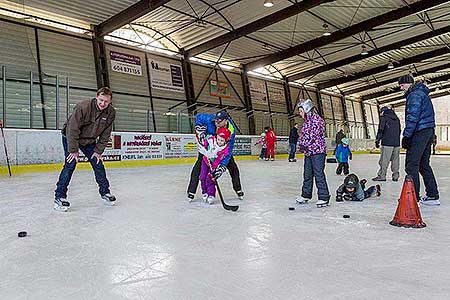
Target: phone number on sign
{"points": [[126, 69]]}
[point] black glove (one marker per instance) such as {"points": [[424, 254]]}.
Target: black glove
{"points": [[339, 198], [377, 144], [406, 143], [218, 171], [348, 197], [200, 132]]}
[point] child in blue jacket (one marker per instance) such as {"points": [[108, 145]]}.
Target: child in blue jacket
{"points": [[343, 154]]}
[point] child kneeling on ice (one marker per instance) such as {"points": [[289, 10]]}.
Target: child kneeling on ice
{"points": [[354, 190], [343, 154], [215, 150]]}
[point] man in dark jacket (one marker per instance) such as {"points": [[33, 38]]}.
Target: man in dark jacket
{"points": [[88, 129], [339, 136], [418, 137], [389, 136], [293, 140]]}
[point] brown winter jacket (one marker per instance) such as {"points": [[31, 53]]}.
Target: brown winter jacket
{"points": [[86, 124]]}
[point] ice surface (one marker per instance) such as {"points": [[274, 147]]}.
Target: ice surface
{"points": [[155, 245]]}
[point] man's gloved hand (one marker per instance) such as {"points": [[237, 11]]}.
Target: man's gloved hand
{"points": [[339, 198], [200, 133], [348, 197], [377, 144], [218, 171], [406, 143]]}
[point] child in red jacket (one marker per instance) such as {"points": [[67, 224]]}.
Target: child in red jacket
{"points": [[271, 139]]}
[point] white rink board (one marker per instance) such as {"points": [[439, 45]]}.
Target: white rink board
{"points": [[30, 146]]}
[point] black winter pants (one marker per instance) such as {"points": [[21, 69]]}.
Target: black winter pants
{"points": [[195, 175], [418, 161]]}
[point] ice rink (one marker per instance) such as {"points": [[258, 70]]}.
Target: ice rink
{"points": [[155, 245]]}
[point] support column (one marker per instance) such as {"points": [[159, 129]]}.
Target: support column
{"points": [[366, 132], [149, 82], [344, 109], [248, 102], [287, 96], [319, 103], [268, 103], [189, 88], [101, 64], [41, 85]]}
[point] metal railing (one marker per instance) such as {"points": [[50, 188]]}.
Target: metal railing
{"points": [[33, 100], [353, 130]]}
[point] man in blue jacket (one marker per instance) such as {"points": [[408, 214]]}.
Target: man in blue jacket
{"points": [[418, 137], [207, 124]]}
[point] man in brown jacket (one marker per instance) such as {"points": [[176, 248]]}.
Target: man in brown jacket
{"points": [[88, 129]]}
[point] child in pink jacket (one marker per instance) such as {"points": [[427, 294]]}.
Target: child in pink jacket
{"points": [[216, 149]]}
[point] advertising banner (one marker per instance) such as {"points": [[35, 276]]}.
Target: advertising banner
{"points": [[125, 63], [276, 94], [165, 76], [178, 146], [142, 146], [242, 146], [258, 92], [219, 89]]}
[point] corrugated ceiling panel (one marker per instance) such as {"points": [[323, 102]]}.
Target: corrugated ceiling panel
{"points": [[91, 12]]}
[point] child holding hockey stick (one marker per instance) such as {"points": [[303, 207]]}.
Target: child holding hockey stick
{"points": [[354, 190], [215, 149], [262, 141]]}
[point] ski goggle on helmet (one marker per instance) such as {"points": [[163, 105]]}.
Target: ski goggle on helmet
{"points": [[224, 133]]}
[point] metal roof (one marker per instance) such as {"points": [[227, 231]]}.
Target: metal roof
{"points": [[184, 24], [89, 12]]}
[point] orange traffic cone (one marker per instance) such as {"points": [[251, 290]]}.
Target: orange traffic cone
{"points": [[408, 213]]}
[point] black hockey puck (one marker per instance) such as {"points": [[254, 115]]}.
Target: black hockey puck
{"points": [[291, 208], [22, 234], [346, 216]]}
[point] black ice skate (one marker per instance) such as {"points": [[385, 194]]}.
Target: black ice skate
{"points": [[109, 199], [322, 203], [61, 204]]}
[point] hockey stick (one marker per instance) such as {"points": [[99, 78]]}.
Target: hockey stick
{"points": [[6, 150], [225, 206]]}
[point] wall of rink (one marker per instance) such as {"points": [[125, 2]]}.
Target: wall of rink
{"points": [[30, 146]]}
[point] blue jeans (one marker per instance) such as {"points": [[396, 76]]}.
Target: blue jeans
{"points": [[293, 148], [67, 171], [314, 169]]}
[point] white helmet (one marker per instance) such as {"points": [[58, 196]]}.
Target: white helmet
{"points": [[307, 105]]}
